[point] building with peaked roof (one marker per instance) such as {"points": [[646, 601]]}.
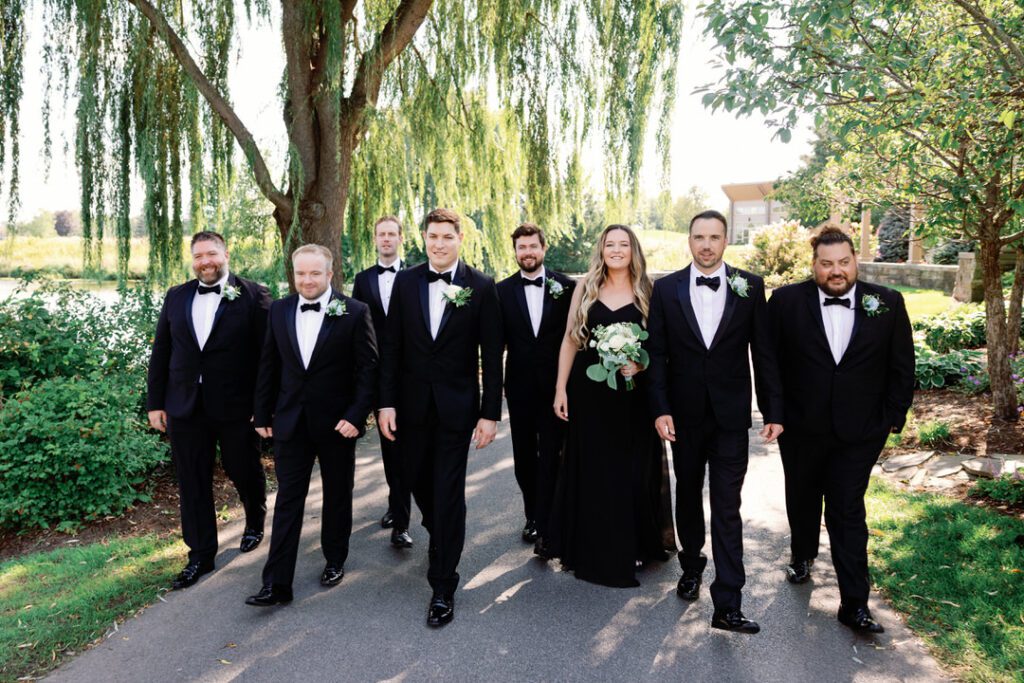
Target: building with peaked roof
{"points": [[750, 207]]}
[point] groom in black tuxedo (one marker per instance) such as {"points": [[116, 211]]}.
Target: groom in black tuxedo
{"points": [[318, 373], [534, 308], [846, 356], [200, 389], [703, 320], [443, 336], [373, 287]]}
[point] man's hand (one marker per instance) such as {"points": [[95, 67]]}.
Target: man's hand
{"points": [[158, 420], [265, 432], [771, 431], [386, 423], [485, 432], [665, 427], [346, 429]]}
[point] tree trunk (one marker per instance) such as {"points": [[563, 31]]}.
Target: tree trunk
{"points": [[1004, 394], [318, 224], [1016, 297]]}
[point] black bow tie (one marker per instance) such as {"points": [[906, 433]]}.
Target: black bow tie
{"points": [[203, 289], [384, 269], [434, 277], [836, 301], [310, 307], [536, 281], [711, 282]]}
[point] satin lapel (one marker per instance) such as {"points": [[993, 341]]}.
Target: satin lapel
{"points": [[424, 289], [325, 331], [730, 308], [232, 282], [374, 284], [683, 292], [858, 318], [814, 308], [548, 302], [289, 325], [459, 278], [190, 294], [520, 291]]}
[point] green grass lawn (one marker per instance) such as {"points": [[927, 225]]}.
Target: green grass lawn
{"points": [[59, 601], [923, 302], [957, 572]]}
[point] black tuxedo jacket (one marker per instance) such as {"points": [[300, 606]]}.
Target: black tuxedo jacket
{"points": [[338, 384], [531, 361], [684, 373], [226, 363], [366, 288], [869, 392], [416, 368]]}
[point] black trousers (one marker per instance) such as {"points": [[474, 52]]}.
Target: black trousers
{"points": [[820, 468], [399, 497], [293, 461], [435, 460], [724, 454], [194, 442], [537, 440]]}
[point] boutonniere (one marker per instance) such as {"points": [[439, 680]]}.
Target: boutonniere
{"points": [[336, 308], [555, 288], [872, 305], [231, 293], [739, 285], [459, 296]]}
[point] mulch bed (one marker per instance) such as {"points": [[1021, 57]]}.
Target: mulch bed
{"points": [[974, 430]]}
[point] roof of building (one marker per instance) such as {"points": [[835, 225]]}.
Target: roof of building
{"points": [[743, 192]]}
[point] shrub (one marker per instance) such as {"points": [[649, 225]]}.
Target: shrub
{"points": [[948, 253], [933, 433], [1008, 488], [893, 245], [961, 328], [937, 370], [781, 254], [73, 449]]}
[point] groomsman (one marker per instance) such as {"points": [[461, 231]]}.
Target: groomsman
{"points": [[443, 335], [703, 320], [200, 391], [318, 373], [373, 287], [534, 307], [846, 356]]}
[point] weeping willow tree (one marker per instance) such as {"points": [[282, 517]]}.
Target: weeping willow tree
{"points": [[390, 106]]}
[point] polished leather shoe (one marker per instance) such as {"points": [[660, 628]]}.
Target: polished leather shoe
{"points": [[530, 531], [799, 571], [400, 538], [190, 574], [441, 610], [688, 587], [388, 520], [733, 620], [859, 619], [332, 576], [270, 596], [251, 539]]}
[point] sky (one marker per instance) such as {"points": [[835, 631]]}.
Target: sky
{"points": [[708, 149]]}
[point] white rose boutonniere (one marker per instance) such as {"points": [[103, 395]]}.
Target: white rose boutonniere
{"points": [[336, 308], [458, 296], [555, 288], [872, 305], [231, 293], [739, 285]]}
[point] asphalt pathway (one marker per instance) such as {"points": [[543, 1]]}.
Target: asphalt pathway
{"points": [[517, 618]]}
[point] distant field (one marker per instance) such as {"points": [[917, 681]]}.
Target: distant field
{"points": [[667, 251], [63, 256]]}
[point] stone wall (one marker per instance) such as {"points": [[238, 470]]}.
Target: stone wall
{"points": [[923, 275]]}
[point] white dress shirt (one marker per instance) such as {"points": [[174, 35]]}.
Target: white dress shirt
{"points": [[535, 298], [307, 324], [437, 300], [838, 322], [385, 281], [708, 304], [204, 308]]}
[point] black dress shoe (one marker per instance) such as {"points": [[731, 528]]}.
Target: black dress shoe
{"points": [[270, 596], [332, 576], [441, 610], [251, 539], [859, 619], [688, 587], [733, 620], [191, 573], [530, 531], [400, 538], [799, 571], [388, 520], [541, 549]]}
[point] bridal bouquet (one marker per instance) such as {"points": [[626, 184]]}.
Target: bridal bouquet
{"points": [[617, 345]]}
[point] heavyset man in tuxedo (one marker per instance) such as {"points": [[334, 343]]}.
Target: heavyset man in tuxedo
{"points": [[443, 334], [373, 287], [534, 308], [846, 356], [200, 390], [317, 377], [703, 319]]}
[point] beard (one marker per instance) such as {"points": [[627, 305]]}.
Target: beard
{"points": [[837, 287], [208, 278], [536, 263]]}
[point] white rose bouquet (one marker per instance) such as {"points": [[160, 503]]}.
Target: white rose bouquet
{"points": [[616, 346]]}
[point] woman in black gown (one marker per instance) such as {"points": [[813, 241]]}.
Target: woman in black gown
{"points": [[612, 508]]}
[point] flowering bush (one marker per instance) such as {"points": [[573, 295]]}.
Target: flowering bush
{"points": [[781, 254]]}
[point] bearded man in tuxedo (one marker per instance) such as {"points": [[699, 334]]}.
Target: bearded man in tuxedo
{"points": [[846, 357], [200, 390], [443, 336]]}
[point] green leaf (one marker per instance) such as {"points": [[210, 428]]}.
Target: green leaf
{"points": [[1008, 117], [785, 134], [597, 372]]}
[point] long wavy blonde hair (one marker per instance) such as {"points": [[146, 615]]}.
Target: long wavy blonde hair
{"points": [[598, 273]]}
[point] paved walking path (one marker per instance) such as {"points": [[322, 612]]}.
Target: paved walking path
{"points": [[517, 619]]}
